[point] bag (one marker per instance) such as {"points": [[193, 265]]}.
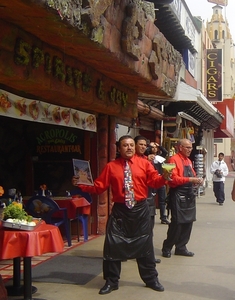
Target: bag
{"points": [[218, 174]]}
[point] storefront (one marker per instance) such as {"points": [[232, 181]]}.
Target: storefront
{"points": [[75, 61], [192, 116]]}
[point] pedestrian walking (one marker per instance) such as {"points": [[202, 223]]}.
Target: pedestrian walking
{"points": [[219, 169], [182, 201], [128, 230]]}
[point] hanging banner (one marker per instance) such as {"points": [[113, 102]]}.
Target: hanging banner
{"points": [[33, 110]]}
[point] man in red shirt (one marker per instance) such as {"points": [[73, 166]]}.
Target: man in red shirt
{"points": [[140, 149], [128, 230], [181, 201]]}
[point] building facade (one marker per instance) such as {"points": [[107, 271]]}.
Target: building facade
{"points": [[71, 71]]}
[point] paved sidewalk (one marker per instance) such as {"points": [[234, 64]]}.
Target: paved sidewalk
{"points": [[210, 274]]}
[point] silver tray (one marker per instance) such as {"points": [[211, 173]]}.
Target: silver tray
{"points": [[21, 226]]}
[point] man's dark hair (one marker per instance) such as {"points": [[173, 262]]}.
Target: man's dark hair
{"points": [[139, 138], [123, 138], [221, 153]]}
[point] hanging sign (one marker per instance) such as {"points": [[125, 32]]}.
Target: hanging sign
{"points": [[214, 74], [33, 110]]}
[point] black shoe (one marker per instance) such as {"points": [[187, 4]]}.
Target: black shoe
{"points": [[157, 261], [165, 221], [166, 253], [107, 288], [184, 252], [156, 286], [221, 203]]}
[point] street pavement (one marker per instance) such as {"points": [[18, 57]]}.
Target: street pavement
{"points": [[210, 274]]}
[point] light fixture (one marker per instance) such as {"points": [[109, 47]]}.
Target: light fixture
{"points": [[135, 123]]}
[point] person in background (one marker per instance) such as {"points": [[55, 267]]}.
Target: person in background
{"points": [[43, 191], [156, 149], [128, 230], [182, 201], [219, 169], [140, 150]]}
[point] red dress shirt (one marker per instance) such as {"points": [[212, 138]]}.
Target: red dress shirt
{"points": [[178, 173], [143, 175]]}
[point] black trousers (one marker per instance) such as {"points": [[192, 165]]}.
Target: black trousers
{"points": [[146, 267], [161, 192], [178, 235], [218, 189]]}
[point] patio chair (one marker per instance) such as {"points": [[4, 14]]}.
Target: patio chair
{"points": [[82, 218], [48, 210]]}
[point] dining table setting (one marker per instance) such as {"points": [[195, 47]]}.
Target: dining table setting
{"points": [[21, 238]]}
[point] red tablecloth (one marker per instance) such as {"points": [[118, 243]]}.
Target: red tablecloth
{"points": [[74, 206], [19, 243]]}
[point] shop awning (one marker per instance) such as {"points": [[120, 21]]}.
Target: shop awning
{"points": [[192, 102], [226, 129]]}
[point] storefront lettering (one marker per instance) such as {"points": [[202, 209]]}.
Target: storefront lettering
{"points": [[211, 72], [25, 54], [100, 90], [214, 74], [58, 149], [22, 53], [115, 95], [118, 97], [53, 135], [38, 57]]}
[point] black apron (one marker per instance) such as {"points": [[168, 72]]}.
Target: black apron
{"points": [[183, 200], [128, 232]]}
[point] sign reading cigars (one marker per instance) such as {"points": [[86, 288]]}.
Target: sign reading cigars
{"points": [[214, 74]]}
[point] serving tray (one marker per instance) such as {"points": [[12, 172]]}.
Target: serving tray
{"points": [[18, 226]]}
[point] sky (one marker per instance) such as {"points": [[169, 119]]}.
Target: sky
{"points": [[204, 9]]}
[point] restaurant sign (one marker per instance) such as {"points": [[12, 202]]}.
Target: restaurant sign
{"points": [[214, 74], [33, 110]]}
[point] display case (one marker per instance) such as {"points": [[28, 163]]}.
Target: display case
{"points": [[199, 167]]}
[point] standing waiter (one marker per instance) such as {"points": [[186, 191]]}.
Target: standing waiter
{"points": [[182, 201], [128, 230]]}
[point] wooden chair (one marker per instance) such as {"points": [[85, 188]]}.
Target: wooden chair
{"points": [[48, 210]]}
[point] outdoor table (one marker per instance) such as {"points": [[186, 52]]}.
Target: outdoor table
{"points": [[15, 244]]}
